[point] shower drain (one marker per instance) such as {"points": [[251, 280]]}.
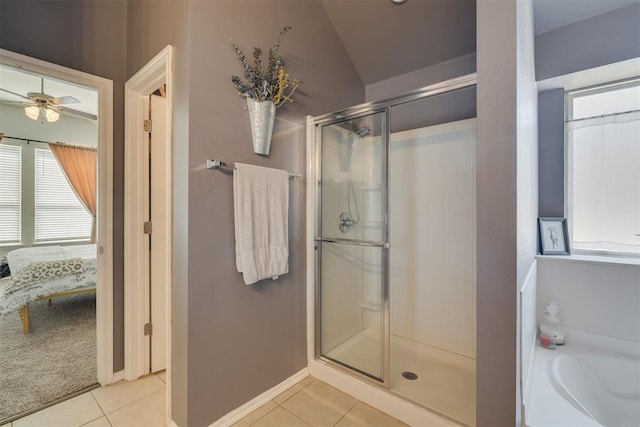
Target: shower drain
{"points": [[408, 375]]}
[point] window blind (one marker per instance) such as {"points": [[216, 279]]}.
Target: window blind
{"points": [[10, 193], [59, 213]]}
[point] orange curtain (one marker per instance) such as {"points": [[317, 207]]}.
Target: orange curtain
{"points": [[79, 166]]}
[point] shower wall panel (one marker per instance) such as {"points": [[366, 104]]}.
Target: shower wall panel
{"points": [[369, 196], [432, 236]]}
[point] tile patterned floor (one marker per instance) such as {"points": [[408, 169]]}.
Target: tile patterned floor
{"points": [[314, 403], [141, 403]]}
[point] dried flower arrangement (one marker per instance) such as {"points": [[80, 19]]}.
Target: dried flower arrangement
{"points": [[270, 83]]}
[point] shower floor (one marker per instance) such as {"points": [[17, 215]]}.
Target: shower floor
{"points": [[446, 381]]}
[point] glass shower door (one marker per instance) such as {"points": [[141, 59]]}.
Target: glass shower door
{"points": [[351, 242]]}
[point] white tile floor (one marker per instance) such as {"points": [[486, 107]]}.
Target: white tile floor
{"points": [[141, 403]]}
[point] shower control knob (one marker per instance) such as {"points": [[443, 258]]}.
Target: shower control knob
{"points": [[345, 222]]}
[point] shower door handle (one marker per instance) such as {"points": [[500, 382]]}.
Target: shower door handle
{"points": [[353, 242]]}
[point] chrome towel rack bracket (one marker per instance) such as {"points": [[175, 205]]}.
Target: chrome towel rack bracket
{"points": [[216, 164]]}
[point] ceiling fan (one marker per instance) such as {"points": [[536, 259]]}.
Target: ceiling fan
{"points": [[46, 107]]}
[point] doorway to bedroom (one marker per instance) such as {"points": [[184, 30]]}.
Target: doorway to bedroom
{"points": [[50, 232]]}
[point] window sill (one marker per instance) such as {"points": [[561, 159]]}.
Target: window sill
{"points": [[592, 259], [62, 242], [11, 245]]}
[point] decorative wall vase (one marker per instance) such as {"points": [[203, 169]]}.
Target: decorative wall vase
{"points": [[262, 115]]}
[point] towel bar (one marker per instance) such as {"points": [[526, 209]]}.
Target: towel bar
{"points": [[215, 164]]}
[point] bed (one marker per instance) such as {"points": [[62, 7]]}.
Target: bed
{"points": [[46, 273]]}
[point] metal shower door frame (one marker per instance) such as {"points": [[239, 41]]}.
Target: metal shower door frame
{"points": [[383, 106], [383, 244]]}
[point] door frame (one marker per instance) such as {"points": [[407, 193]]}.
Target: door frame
{"points": [[155, 73], [382, 243], [104, 288]]}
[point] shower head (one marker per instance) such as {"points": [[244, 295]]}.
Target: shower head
{"points": [[356, 128], [352, 140], [362, 132]]}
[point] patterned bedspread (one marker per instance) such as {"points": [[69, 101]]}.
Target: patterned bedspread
{"points": [[38, 272]]}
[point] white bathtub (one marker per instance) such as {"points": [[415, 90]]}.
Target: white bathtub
{"points": [[584, 385]]}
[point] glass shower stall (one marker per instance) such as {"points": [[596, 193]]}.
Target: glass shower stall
{"points": [[395, 245]]}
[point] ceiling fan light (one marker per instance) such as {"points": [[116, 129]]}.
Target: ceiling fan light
{"points": [[32, 111], [51, 115]]}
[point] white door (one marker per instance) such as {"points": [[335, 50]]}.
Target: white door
{"points": [[158, 204], [144, 271]]}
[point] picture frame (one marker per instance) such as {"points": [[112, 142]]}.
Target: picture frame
{"points": [[554, 236]]}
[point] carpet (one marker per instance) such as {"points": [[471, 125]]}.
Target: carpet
{"points": [[57, 359]]}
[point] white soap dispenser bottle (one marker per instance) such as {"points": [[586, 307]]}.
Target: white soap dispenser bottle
{"points": [[552, 325]]}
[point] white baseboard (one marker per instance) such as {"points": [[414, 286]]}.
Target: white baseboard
{"points": [[244, 410]]}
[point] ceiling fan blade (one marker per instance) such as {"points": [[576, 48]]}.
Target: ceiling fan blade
{"points": [[64, 100], [16, 94], [18, 103], [76, 112]]}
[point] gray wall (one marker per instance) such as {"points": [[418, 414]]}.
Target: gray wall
{"points": [[507, 205], [90, 36], [243, 340], [232, 342], [385, 40], [551, 153], [220, 326], [603, 39], [420, 78], [496, 213]]}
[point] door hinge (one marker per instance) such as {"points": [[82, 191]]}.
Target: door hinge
{"points": [[147, 125], [148, 329], [147, 227]]}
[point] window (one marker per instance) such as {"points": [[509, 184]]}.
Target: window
{"points": [[603, 168], [10, 194], [37, 204], [59, 213]]}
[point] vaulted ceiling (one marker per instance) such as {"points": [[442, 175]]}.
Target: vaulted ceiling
{"points": [[551, 14], [385, 40]]}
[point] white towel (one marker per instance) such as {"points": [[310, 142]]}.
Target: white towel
{"points": [[261, 217]]}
